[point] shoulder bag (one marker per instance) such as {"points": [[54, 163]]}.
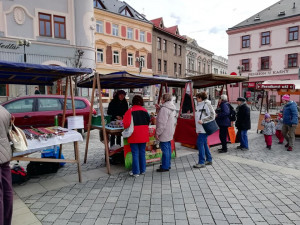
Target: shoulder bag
{"points": [[17, 137], [209, 127], [128, 131]]}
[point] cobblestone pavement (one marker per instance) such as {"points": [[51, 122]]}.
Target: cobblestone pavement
{"points": [[228, 192]]}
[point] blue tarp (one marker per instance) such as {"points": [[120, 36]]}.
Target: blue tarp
{"points": [[36, 74]]}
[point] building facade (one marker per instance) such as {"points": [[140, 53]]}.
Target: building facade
{"points": [[168, 49], [198, 59], [266, 46], [219, 65], [59, 31]]}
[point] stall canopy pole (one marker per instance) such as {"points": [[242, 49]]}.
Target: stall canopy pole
{"points": [[160, 93], [90, 120], [192, 98], [103, 124], [182, 99], [76, 150]]}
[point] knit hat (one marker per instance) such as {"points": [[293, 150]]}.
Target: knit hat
{"points": [[267, 115], [240, 99], [286, 97]]}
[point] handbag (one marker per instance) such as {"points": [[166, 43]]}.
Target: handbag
{"points": [[209, 127], [18, 138], [128, 131]]}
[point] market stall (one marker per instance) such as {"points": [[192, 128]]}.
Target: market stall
{"points": [[185, 132], [36, 74], [122, 80], [282, 87]]}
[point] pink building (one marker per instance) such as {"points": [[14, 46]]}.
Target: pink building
{"points": [[266, 46]]}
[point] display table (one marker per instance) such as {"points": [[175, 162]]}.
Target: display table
{"points": [[36, 146]]}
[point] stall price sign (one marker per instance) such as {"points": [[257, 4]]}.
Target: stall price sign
{"points": [[276, 86]]}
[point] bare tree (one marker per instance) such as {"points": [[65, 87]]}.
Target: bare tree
{"points": [[77, 64]]}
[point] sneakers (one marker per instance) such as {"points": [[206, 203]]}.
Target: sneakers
{"points": [[143, 173], [133, 175], [290, 149], [222, 151], [208, 163], [199, 166], [269, 147], [161, 170], [280, 142], [244, 149], [239, 147], [160, 167], [287, 145]]}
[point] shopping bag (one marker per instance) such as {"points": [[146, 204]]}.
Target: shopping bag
{"points": [[17, 137], [231, 133], [210, 127], [128, 131]]}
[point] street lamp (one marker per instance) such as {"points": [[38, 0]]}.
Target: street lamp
{"points": [[240, 69], [24, 43]]}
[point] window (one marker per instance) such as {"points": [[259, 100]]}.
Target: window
{"points": [[116, 57], [245, 64], [246, 41], [99, 26], [292, 60], [59, 26], [159, 64], [175, 49], [20, 106], [179, 69], [179, 50], [203, 67], [126, 12], [45, 25], [165, 45], [98, 4], [130, 33], [208, 68], [199, 66], [175, 68], [115, 30], [49, 104], [265, 38], [265, 62], [3, 90], [165, 66], [99, 55], [142, 36], [130, 59], [293, 33], [79, 104], [159, 43], [143, 61]]}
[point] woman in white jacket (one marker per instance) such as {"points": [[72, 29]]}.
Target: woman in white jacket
{"points": [[165, 127], [204, 113]]}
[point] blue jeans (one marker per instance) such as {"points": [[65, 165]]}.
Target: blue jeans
{"points": [[204, 153], [138, 151], [244, 139], [166, 156]]}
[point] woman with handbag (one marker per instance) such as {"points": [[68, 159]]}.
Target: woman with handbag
{"points": [[139, 136], [6, 191], [204, 114]]}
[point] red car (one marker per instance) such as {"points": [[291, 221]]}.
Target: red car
{"points": [[40, 110]]}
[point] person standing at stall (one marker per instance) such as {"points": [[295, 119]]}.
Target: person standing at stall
{"points": [[116, 109], [243, 122], [140, 135], [290, 121], [223, 121], [6, 190], [204, 113], [165, 128]]}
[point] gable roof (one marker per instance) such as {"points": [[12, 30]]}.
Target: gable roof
{"points": [[278, 11], [115, 6], [157, 22], [173, 30]]}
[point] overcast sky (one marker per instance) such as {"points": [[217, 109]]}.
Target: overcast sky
{"points": [[204, 20]]}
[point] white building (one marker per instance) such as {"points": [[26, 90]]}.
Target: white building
{"points": [[219, 65]]}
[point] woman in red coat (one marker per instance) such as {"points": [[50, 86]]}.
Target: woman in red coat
{"points": [[140, 135]]}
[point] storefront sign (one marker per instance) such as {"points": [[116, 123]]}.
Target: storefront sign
{"points": [[275, 86], [249, 85], [248, 94], [9, 46], [267, 73]]}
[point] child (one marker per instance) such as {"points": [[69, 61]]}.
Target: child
{"points": [[269, 130], [278, 128]]}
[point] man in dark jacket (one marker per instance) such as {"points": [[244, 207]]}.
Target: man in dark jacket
{"points": [[243, 122], [116, 109], [223, 121]]}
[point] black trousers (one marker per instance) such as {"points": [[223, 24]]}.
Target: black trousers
{"points": [[223, 136]]}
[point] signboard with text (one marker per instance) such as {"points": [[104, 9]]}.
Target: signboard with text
{"points": [[275, 86]]}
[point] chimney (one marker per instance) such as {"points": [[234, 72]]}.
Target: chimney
{"points": [[294, 5]]}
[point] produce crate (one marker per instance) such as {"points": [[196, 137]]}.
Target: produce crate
{"points": [[96, 120]]}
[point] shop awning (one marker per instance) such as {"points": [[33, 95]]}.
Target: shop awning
{"points": [[209, 80], [123, 79], [36, 74]]}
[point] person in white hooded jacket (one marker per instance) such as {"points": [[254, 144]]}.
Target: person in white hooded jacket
{"points": [[165, 127], [204, 113]]}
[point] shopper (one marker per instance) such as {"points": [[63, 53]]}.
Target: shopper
{"points": [[243, 122], [290, 121], [6, 191], [269, 130], [37, 91], [278, 128], [165, 127], [204, 113], [116, 109], [140, 135], [223, 121]]}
